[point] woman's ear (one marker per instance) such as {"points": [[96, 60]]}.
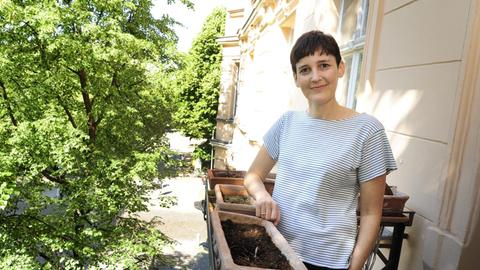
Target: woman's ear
{"points": [[295, 78], [341, 69]]}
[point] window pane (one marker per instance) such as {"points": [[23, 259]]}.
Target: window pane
{"points": [[364, 15], [351, 9], [352, 100], [342, 87], [233, 94], [338, 6]]}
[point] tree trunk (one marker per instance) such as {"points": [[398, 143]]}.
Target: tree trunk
{"points": [[91, 124]]}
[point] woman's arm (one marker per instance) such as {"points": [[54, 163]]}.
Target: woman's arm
{"points": [[371, 203], [266, 208]]}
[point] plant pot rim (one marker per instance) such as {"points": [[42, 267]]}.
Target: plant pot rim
{"points": [[248, 209], [398, 194]]}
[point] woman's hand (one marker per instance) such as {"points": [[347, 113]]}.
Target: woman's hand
{"points": [[267, 208]]}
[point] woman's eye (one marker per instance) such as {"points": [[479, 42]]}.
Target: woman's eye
{"points": [[303, 70]]}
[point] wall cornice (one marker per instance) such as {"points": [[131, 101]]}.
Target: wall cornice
{"points": [[264, 14]]}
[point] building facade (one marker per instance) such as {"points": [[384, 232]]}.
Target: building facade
{"points": [[413, 64]]}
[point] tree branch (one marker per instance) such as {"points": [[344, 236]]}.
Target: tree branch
{"points": [[39, 43], [115, 80], [72, 70], [19, 217], [7, 102], [59, 180], [135, 83], [16, 82], [67, 111], [45, 257], [99, 119]]}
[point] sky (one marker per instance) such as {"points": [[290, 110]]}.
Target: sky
{"points": [[191, 19]]}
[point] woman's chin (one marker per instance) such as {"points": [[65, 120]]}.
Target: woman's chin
{"points": [[319, 100]]}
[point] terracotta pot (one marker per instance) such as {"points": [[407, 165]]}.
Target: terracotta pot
{"points": [[224, 190], [394, 204], [393, 201], [231, 177], [223, 257]]}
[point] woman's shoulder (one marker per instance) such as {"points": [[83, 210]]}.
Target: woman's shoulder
{"points": [[293, 114], [370, 119], [369, 123]]}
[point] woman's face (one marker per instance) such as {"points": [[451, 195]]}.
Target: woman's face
{"points": [[317, 75]]}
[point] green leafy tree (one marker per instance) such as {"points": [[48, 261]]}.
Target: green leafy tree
{"points": [[198, 83], [82, 120]]}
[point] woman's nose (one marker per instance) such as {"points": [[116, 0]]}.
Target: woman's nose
{"points": [[316, 75]]}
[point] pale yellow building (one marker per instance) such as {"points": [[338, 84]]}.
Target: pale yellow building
{"points": [[413, 64]]}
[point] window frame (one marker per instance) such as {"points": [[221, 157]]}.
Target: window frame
{"points": [[354, 48]]}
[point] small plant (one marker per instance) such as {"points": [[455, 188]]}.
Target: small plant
{"points": [[167, 201]]}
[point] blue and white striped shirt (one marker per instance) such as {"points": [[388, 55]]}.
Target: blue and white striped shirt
{"points": [[320, 165]]}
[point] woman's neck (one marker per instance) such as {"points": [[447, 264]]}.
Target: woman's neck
{"points": [[330, 111]]}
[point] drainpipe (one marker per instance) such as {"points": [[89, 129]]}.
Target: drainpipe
{"points": [[212, 152]]}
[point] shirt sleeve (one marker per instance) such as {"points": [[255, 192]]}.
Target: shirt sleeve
{"points": [[376, 157], [271, 139]]}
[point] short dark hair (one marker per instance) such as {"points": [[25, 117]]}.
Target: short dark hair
{"points": [[309, 42]]}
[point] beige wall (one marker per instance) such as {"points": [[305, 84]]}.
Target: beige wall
{"points": [[265, 90], [420, 79], [236, 12]]}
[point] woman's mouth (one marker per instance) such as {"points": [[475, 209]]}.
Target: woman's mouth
{"points": [[318, 87]]}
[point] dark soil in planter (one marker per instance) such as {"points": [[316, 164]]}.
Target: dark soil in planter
{"points": [[250, 245], [236, 199]]}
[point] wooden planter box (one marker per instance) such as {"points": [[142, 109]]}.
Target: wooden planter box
{"points": [[216, 176], [223, 258], [224, 190], [211, 173]]}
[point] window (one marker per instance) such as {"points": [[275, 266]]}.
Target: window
{"points": [[351, 37], [233, 95]]}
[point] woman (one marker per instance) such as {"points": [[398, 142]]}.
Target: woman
{"points": [[325, 157]]}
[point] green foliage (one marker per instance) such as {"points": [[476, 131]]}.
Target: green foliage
{"points": [[198, 83], [83, 113], [18, 260]]}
